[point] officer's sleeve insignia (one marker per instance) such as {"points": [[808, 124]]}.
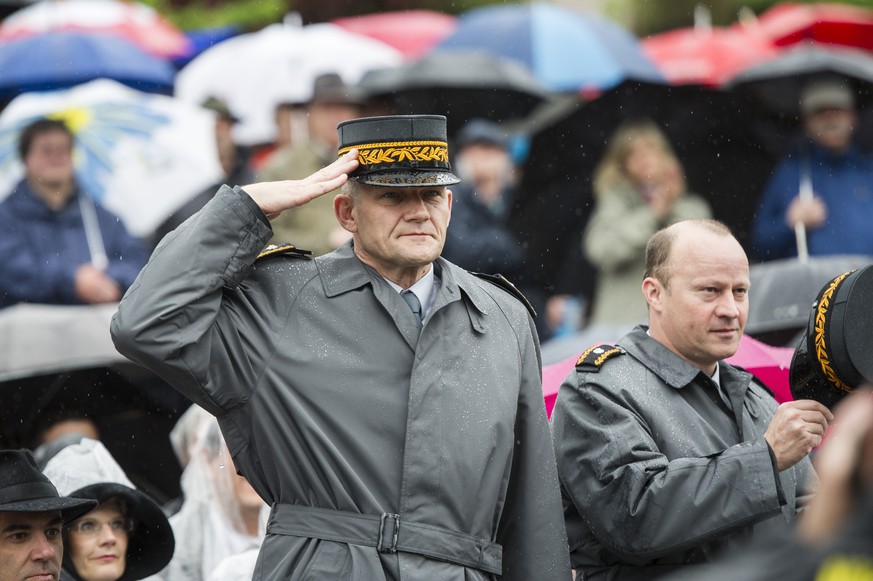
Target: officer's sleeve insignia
{"points": [[594, 357], [503, 282], [283, 250]]}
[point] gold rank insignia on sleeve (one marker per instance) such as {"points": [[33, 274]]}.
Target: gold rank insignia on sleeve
{"points": [[283, 250], [594, 357]]}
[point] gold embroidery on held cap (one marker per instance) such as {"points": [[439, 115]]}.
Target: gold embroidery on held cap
{"points": [[821, 353]]}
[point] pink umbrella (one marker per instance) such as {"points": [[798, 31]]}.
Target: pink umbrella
{"points": [[769, 364], [412, 32], [135, 22]]}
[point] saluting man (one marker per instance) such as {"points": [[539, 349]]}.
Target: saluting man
{"points": [[395, 436]]}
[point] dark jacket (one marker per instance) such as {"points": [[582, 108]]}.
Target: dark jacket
{"points": [[354, 425], [657, 472], [42, 249], [845, 185]]}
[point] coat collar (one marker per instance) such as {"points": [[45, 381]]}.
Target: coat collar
{"points": [[341, 271], [672, 369]]}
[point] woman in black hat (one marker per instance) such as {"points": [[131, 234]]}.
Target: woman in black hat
{"points": [[126, 537]]}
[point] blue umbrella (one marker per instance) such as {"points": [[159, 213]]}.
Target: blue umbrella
{"points": [[57, 60], [565, 49]]}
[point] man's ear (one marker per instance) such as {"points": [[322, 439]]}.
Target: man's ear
{"points": [[343, 207], [652, 291], [449, 197]]}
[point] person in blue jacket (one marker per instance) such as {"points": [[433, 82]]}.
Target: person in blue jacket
{"points": [[837, 215], [58, 246]]}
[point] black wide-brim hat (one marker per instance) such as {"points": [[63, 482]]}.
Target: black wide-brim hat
{"points": [[23, 488], [151, 544], [835, 354], [399, 150]]}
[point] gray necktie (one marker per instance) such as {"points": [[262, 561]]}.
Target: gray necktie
{"points": [[413, 303]]}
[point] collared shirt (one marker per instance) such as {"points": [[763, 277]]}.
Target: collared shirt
{"points": [[423, 289]]}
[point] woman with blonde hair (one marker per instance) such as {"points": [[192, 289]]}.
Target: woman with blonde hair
{"points": [[639, 188]]}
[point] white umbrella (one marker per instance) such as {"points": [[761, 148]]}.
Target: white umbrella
{"points": [[140, 155], [255, 72]]}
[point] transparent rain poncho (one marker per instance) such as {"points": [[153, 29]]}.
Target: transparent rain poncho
{"points": [[220, 515]]}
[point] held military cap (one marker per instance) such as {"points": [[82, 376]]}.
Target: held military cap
{"points": [[835, 354], [399, 150]]}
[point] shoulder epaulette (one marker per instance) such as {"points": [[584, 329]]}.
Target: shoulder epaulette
{"points": [[503, 282], [594, 357], [283, 250]]}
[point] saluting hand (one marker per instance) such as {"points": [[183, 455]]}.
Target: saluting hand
{"points": [[796, 428], [276, 197]]}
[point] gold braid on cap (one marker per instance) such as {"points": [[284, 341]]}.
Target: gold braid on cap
{"points": [[821, 315], [399, 151]]}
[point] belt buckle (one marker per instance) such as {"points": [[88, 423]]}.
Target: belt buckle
{"points": [[395, 520]]}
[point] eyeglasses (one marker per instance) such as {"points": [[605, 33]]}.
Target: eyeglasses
{"points": [[90, 527]]}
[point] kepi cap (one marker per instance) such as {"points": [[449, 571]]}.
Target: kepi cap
{"points": [[835, 354], [23, 488], [826, 94], [399, 150]]}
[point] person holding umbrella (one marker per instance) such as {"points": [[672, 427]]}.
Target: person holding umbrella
{"points": [[59, 246], [819, 200]]}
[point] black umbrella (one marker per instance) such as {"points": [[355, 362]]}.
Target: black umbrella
{"points": [[777, 83], [723, 159], [61, 363], [782, 293], [459, 85]]}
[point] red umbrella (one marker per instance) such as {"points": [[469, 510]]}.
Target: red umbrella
{"points": [[133, 21], [787, 24], [769, 364], [707, 56], [412, 32]]}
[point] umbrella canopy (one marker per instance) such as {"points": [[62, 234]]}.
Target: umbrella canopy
{"points": [[61, 360], [412, 32], [771, 365], [828, 23], [778, 82], [255, 72], [459, 85], [140, 155], [57, 60], [707, 56], [782, 293], [131, 21], [567, 50]]}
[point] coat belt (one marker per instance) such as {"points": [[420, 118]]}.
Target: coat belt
{"points": [[388, 533]]}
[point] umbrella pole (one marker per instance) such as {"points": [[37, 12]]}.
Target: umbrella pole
{"points": [[805, 194], [92, 233]]}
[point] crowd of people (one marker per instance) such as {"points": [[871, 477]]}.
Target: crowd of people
{"points": [[353, 318]]}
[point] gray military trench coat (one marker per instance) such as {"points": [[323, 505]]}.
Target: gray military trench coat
{"points": [[658, 472], [385, 453]]}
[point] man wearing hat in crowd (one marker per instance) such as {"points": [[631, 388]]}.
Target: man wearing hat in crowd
{"points": [[386, 403], [667, 455], [480, 239], [840, 176], [32, 515], [234, 160], [313, 226]]}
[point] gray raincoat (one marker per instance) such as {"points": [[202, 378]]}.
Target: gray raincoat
{"points": [[658, 472], [385, 453]]}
